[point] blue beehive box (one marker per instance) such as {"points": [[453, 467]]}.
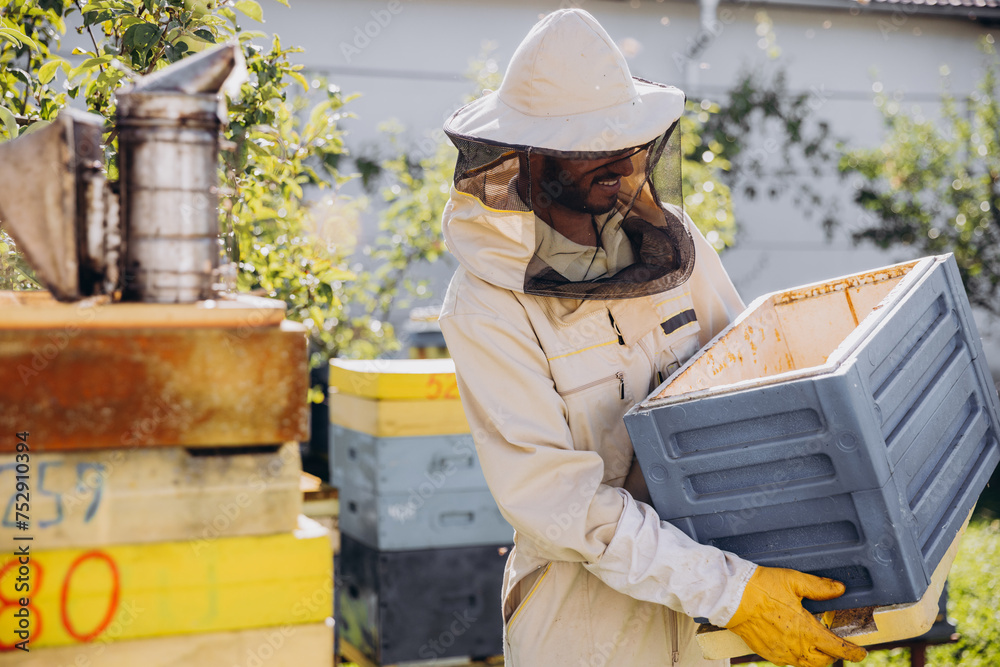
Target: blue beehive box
{"points": [[424, 518], [844, 429], [400, 464]]}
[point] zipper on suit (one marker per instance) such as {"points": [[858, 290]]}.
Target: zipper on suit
{"points": [[621, 339], [620, 376], [675, 653]]}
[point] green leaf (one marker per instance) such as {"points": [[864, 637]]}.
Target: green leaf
{"points": [[87, 65], [247, 35], [251, 8], [257, 150], [301, 79], [205, 35], [228, 13], [284, 2], [130, 21], [171, 53], [21, 37], [141, 36], [15, 36], [48, 70], [90, 63], [208, 20], [112, 5], [92, 18], [35, 127], [20, 75], [9, 122]]}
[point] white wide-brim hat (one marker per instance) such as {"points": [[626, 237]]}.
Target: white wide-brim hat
{"points": [[568, 89]]}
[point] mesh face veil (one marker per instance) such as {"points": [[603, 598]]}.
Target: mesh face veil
{"points": [[642, 246]]}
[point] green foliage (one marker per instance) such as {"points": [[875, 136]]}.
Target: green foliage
{"points": [[15, 274], [409, 228], [771, 141], [707, 198], [768, 138], [29, 33], [973, 601], [935, 186], [282, 243], [415, 183]]}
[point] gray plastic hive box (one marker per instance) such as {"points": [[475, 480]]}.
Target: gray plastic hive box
{"points": [[422, 519], [401, 464], [844, 429]]}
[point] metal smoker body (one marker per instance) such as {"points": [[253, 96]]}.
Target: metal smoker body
{"points": [[168, 153]]}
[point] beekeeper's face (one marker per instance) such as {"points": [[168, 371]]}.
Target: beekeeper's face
{"points": [[583, 186]]}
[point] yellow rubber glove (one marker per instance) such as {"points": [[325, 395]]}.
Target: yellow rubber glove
{"points": [[773, 623]]}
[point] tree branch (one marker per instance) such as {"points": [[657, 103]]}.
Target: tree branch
{"points": [[89, 31]]}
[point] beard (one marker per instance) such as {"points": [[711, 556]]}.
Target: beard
{"points": [[571, 195]]}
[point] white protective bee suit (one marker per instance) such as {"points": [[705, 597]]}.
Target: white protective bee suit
{"points": [[554, 341]]}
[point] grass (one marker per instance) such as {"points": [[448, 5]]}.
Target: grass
{"points": [[973, 604]]}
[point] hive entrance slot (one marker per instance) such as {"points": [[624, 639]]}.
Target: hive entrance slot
{"points": [[233, 451]]}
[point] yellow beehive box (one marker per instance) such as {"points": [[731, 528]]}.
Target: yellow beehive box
{"points": [[396, 397], [285, 646], [124, 592], [398, 418], [395, 379], [164, 494]]}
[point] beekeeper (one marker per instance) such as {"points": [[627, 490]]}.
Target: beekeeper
{"points": [[581, 286]]}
